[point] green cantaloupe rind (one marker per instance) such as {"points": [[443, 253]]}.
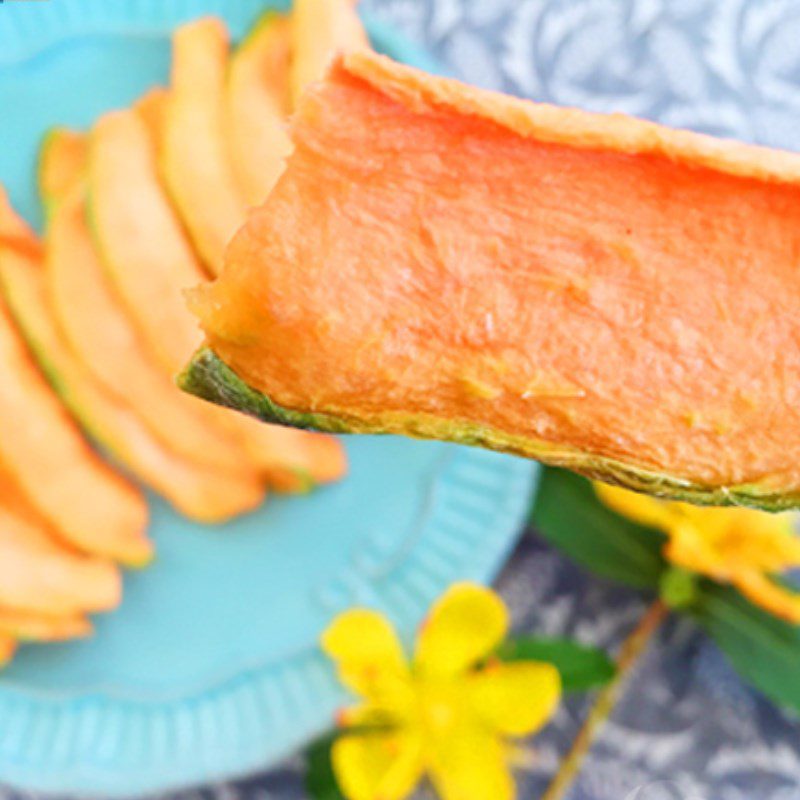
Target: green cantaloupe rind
{"points": [[208, 377]]}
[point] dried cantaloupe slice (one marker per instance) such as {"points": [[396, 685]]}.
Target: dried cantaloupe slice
{"points": [[200, 492], [594, 291]]}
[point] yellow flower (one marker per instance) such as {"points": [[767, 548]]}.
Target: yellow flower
{"points": [[451, 713], [739, 546]]}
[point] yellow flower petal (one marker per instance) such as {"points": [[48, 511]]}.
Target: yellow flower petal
{"points": [[464, 626], [766, 540], [765, 593], [369, 715], [637, 507], [688, 548], [367, 653], [516, 699], [722, 541], [472, 766], [377, 766]]}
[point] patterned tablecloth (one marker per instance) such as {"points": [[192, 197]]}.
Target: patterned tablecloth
{"points": [[687, 729]]}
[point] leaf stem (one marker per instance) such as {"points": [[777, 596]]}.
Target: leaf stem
{"points": [[630, 652]]}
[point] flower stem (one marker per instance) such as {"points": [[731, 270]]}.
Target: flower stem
{"points": [[632, 648]]}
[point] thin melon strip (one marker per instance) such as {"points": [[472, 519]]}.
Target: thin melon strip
{"points": [[152, 109], [321, 29], [151, 264], [257, 106], [593, 291], [8, 646], [195, 162], [100, 333], [67, 152], [89, 505], [28, 626], [40, 575], [36, 574], [147, 257], [201, 493]]}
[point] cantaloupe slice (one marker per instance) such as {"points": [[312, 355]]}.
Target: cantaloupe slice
{"points": [[37, 573], [152, 110], [195, 161], [28, 626], [97, 328], [151, 264], [594, 291], [320, 29], [201, 493], [257, 107], [67, 152], [8, 646], [89, 505], [148, 258]]}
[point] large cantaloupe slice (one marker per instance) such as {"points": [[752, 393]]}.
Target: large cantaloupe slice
{"points": [[195, 160], [201, 493], [594, 291], [321, 29], [257, 107], [151, 264], [83, 498], [97, 328]]}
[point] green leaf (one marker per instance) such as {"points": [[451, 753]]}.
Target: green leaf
{"points": [[763, 649], [570, 516], [581, 667], [320, 780]]}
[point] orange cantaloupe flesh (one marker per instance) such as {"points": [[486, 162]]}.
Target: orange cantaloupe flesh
{"points": [[67, 151], [321, 29], [201, 493], [99, 331], [83, 498], [594, 291], [39, 574], [195, 161], [34, 627], [149, 260], [152, 110], [151, 264], [257, 107], [8, 646]]}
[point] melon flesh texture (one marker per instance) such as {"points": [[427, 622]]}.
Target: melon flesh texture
{"points": [[195, 161], [97, 329], [151, 264], [320, 29], [87, 503], [593, 291], [257, 107], [201, 493]]}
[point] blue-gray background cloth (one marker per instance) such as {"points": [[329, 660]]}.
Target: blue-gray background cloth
{"points": [[687, 729]]}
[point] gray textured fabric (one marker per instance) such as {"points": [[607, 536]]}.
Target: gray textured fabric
{"points": [[687, 729]]}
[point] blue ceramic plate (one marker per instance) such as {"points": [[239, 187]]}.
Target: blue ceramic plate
{"points": [[210, 669]]}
